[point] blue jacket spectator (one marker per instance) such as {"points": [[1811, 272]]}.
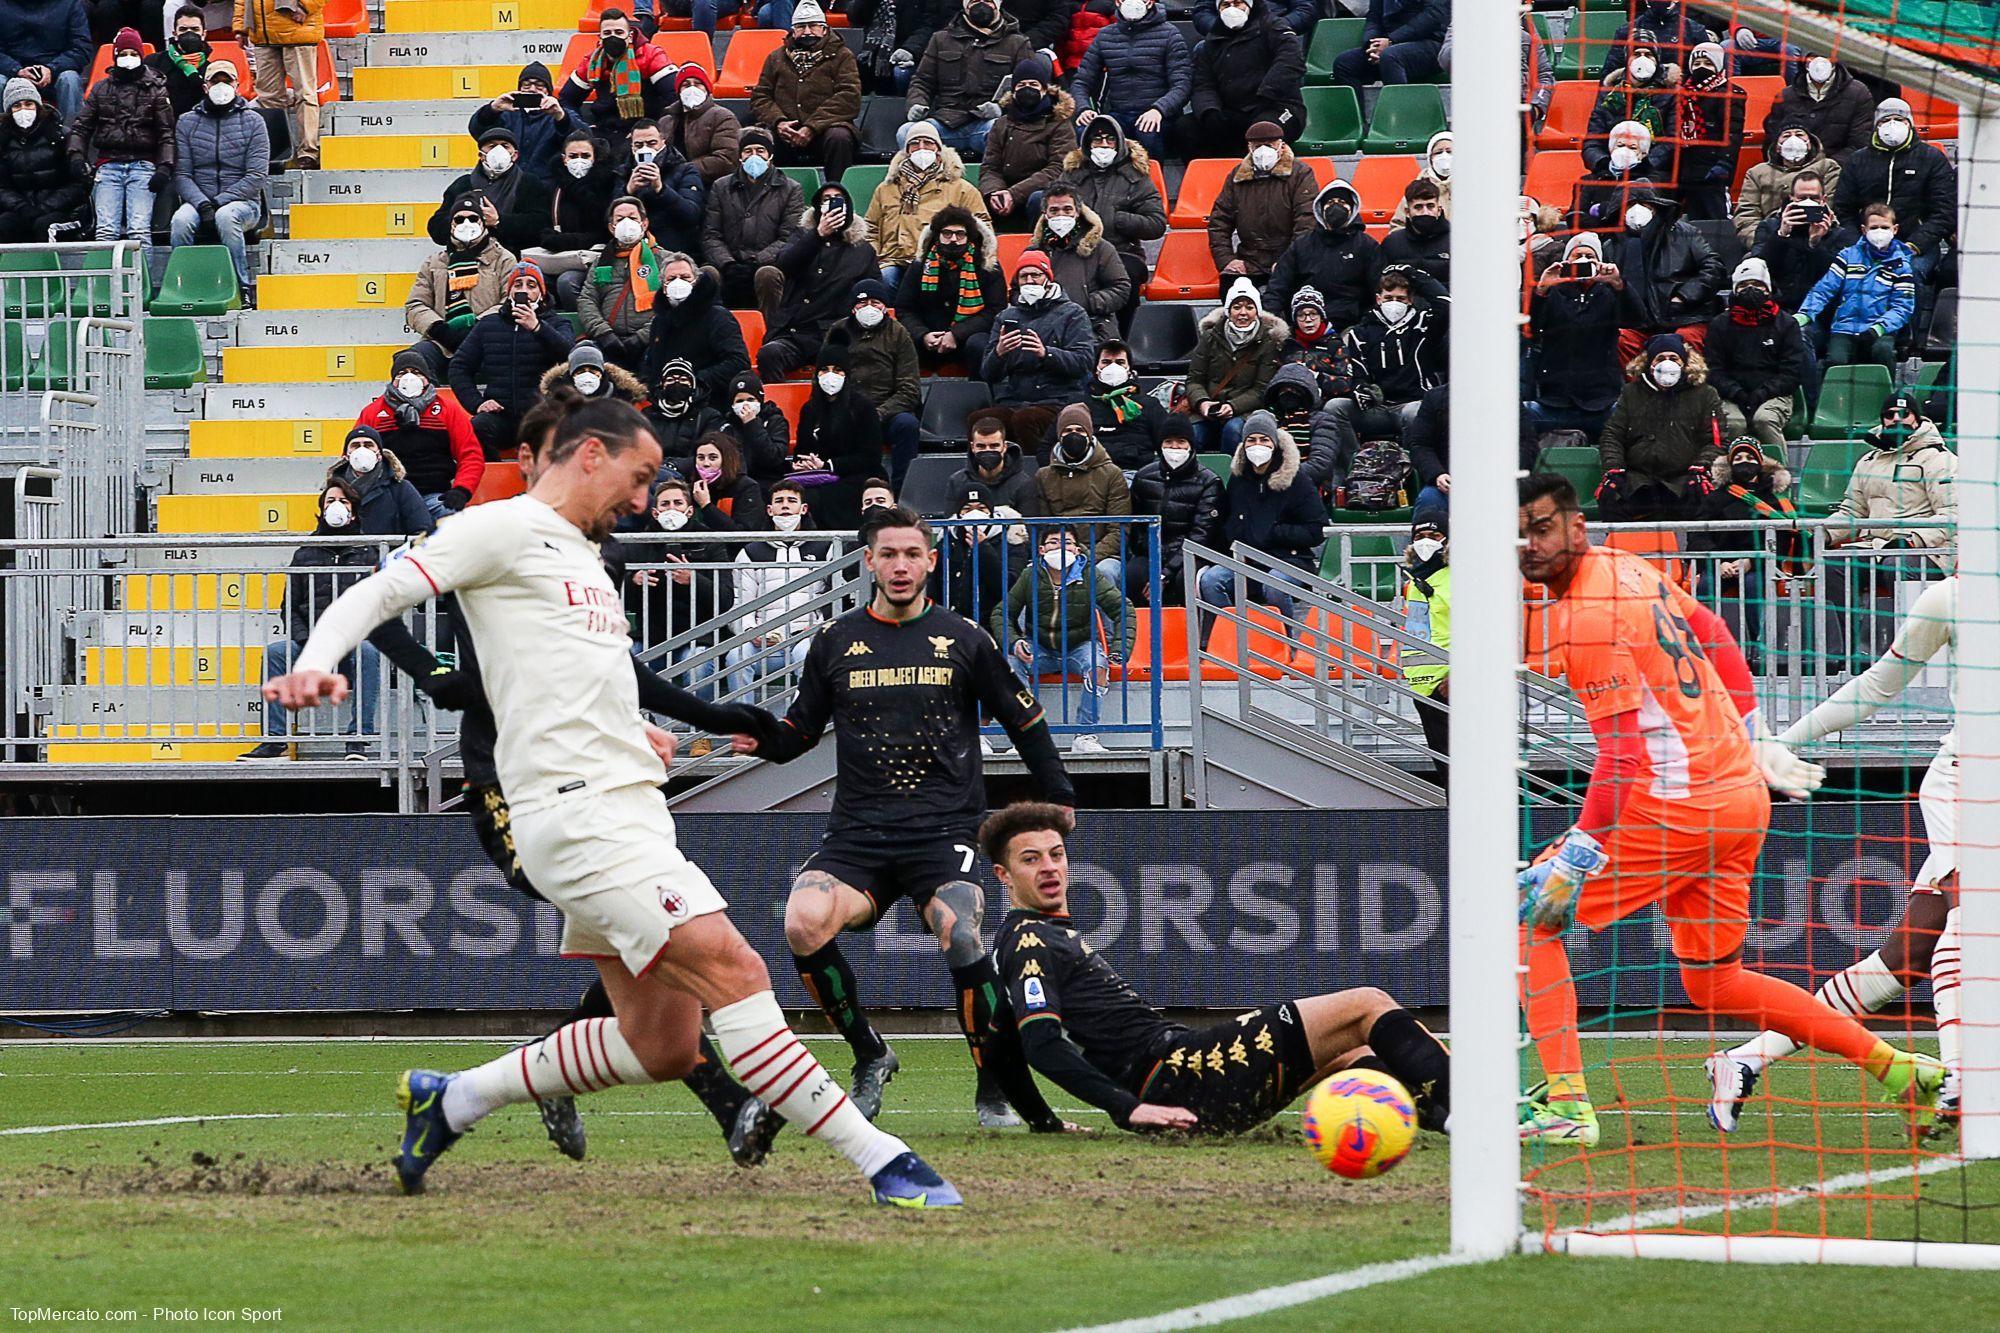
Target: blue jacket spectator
{"points": [[1298, 15], [1400, 43], [538, 122], [1135, 66], [52, 38], [496, 373], [1060, 372], [390, 505], [1668, 25], [1871, 289]]}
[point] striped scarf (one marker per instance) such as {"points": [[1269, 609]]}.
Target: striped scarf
{"points": [[625, 86], [461, 278], [1791, 545], [191, 68], [912, 179], [1123, 402], [971, 300], [644, 265]]}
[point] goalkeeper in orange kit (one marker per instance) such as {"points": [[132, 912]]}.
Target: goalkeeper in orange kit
{"points": [[1675, 814]]}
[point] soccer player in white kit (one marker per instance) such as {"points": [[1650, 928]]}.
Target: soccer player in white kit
{"points": [[1932, 912], [582, 771]]}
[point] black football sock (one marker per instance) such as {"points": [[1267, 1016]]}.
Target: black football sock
{"points": [[1419, 1062], [830, 981], [988, 1023], [595, 1003], [710, 1081]]}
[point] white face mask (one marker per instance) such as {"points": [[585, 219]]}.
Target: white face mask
{"points": [[1638, 217], [923, 159], [832, 382], [1057, 559], [1103, 156], [1111, 374], [1819, 69], [678, 290], [1793, 150], [1441, 165], [578, 167], [673, 520], [1879, 237], [1644, 68], [25, 117], [499, 161], [693, 96], [1667, 374], [627, 231], [868, 316], [465, 233], [1894, 133], [1062, 226], [1032, 293], [1623, 158], [409, 385], [363, 461], [1257, 455], [127, 62], [786, 522], [1394, 311], [1233, 17], [587, 382], [222, 93], [747, 410], [337, 514], [1425, 549], [1176, 458], [1132, 10], [1263, 157]]}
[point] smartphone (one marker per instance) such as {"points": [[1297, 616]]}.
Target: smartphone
{"points": [[1812, 213]]}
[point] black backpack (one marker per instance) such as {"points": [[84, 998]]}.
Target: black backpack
{"points": [[1378, 478]]}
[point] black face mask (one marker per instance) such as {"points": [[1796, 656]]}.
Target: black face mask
{"points": [[1075, 447], [1335, 216], [1027, 105], [675, 394], [190, 43], [1746, 475], [981, 15], [802, 41], [1291, 405], [613, 47], [988, 460], [951, 251], [1428, 227]]}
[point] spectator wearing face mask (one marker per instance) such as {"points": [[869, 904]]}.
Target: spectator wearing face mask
{"points": [[882, 365], [809, 95], [515, 205], [691, 323], [1756, 358], [1293, 397], [1662, 437], [1800, 242], [1663, 25], [703, 131], [1041, 352], [222, 159], [994, 462], [976, 562], [965, 71], [689, 591], [1403, 345], [1907, 473], [1251, 68], [749, 215], [1708, 133], [1824, 98], [1112, 178], [724, 496], [1268, 508], [625, 82], [1026, 147], [183, 58], [782, 630], [385, 503], [1235, 355], [763, 436], [1767, 187], [1916, 180], [949, 296], [826, 256], [1750, 485], [1081, 482], [1138, 71], [1298, 15], [430, 433], [539, 123], [1186, 497], [1265, 204], [678, 416], [667, 185], [839, 447], [1576, 312], [43, 190], [500, 364], [125, 135], [1082, 262], [923, 179], [1673, 279], [1638, 93], [1050, 624], [621, 288], [1607, 192], [47, 42], [1872, 291], [580, 223], [593, 378], [283, 38], [1400, 44], [1336, 258], [1126, 422], [1424, 239], [1436, 172]]}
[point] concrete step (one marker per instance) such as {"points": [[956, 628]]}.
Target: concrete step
{"points": [[78, 707], [115, 629], [400, 218], [210, 476], [382, 255], [367, 362], [277, 328], [399, 152], [335, 291], [368, 187], [247, 402], [386, 52], [403, 117], [223, 514], [271, 437]]}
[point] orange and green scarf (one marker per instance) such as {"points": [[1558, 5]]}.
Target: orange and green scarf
{"points": [[626, 85], [971, 300]]}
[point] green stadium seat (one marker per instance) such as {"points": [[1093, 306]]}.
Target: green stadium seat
{"points": [[1406, 116], [1588, 41], [1381, 579], [1823, 479], [26, 291], [860, 181], [1333, 122], [92, 296], [199, 280], [1216, 463], [174, 357], [972, 174], [1850, 402], [54, 369], [809, 178], [13, 356], [1331, 38]]}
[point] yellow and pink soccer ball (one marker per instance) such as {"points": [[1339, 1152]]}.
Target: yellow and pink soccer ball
{"points": [[1360, 1123]]}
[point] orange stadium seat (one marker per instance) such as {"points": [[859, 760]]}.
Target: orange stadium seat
{"points": [[1346, 650], [1380, 181], [688, 48], [743, 62], [1200, 183], [500, 481], [1186, 270], [234, 53], [1008, 252], [575, 52], [1936, 118], [1552, 178], [1263, 652], [1569, 114], [345, 18], [752, 324], [790, 398], [100, 65], [329, 77]]}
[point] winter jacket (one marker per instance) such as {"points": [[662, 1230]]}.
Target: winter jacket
{"points": [[1843, 120], [1427, 439], [1089, 270], [678, 433], [882, 364], [538, 134], [523, 221], [1916, 479], [1236, 376], [183, 89], [1430, 252], [1188, 503], [1259, 69], [1576, 340], [1658, 435], [1749, 364], [1060, 374], [936, 311], [1132, 442], [674, 210], [1275, 513], [972, 576], [430, 293], [625, 386], [503, 361], [827, 95], [1085, 25], [1298, 15], [1094, 488], [820, 275], [1867, 290], [1014, 487], [901, 208], [1333, 372], [126, 120], [1673, 33], [1652, 105], [1132, 68], [1043, 22], [763, 567], [390, 505], [737, 504], [707, 137], [221, 156], [702, 331], [1796, 262], [846, 433], [605, 311], [266, 25], [319, 575], [963, 68], [668, 608], [765, 440], [1067, 608], [1709, 126], [1122, 194], [596, 105], [1340, 263], [38, 187], [55, 33], [578, 210], [1768, 497], [1257, 215], [1600, 198], [1023, 156], [1293, 396], [1404, 21], [748, 222], [1672, 277], [1917, 180], [1767, 187], [436, 446], [1407, 359]]}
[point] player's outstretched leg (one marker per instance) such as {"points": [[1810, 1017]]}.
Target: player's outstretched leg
{"points": [[819, 908], [955, 915], [748, 1126], [1388, 1037], [559, 1118], [1945, 965], [1548, 994]]}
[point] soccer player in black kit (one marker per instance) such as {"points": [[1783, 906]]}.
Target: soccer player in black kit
{"points": [[1087, 1031], [903, 681]]}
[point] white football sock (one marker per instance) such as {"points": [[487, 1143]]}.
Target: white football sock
{"points": [[1861, 989], [777, 1068], [1944, 991], [589, 1056]]}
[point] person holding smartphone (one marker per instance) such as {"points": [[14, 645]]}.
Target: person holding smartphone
{"points": [[538, 122], [820, 264]]}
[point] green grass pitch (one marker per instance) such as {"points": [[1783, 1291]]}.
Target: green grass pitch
{"points": [[298, 1212]]}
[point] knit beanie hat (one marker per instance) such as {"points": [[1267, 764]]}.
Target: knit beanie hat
{"points": [[17, 92]]}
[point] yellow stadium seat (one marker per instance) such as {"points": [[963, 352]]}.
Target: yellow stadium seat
{"points": [[267, 439], [398, 152], [168, 748], [235, 513], [433, 83], [333, 291], [302, 365], [173, 666], [413, 16]]}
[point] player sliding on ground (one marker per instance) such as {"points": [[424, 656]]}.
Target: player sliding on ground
{"points": [[582, 771], [1925, 943], [1090, 1033], [903, 680], [1676, 812]]}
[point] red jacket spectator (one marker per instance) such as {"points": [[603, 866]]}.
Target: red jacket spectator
{"points": [[1088, 21], [429, 432]]}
